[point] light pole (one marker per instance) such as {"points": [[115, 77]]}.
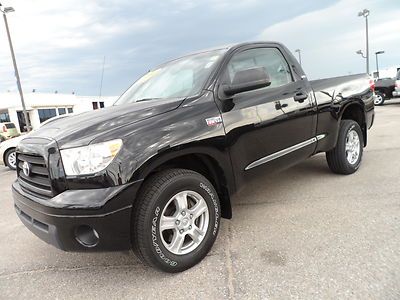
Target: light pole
{"points": [[365, 14], [299, 52], [6, 10], [361, 53], [377, 64]]}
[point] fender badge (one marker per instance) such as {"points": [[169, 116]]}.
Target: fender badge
{"points": [[213, 121]]}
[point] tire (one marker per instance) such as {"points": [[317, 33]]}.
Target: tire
{"points": [[340, 159], [158, 199], [379, 98], [10, 159]]}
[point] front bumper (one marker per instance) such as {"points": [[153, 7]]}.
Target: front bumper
{"points": [[60, 220]]}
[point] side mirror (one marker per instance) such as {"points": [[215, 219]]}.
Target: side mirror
{"points": [[247, 80]]}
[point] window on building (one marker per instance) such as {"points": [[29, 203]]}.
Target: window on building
{"points": [[46, 113], [95, 105], [70, 110], [4, 117], [61, 111], [101, 104]]}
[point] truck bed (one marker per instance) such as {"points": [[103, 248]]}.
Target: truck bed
{"points": [[341, 84]]}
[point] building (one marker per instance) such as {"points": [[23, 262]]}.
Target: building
{"points": [[43, 106]]}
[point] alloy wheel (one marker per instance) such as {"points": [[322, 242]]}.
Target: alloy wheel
{"points": [[352, 146], [184, 222]]}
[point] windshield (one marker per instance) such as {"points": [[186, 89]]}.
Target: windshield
{"points": [[182, 77]]}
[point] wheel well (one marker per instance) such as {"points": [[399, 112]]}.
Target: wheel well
{"points": [[209, 168], [355, 112], [387, 92]]}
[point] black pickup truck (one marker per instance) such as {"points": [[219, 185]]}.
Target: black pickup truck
{"points": [[156, 171], [387, 88]]}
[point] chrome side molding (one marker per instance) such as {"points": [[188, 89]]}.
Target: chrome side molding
{"points": [[283, 152]]}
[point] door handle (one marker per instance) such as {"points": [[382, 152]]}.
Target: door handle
{"points": [[300, 97]]}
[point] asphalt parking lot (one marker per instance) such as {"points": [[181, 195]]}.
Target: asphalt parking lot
{"points": [[303, 233]]}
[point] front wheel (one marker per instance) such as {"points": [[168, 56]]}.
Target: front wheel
{"points": [[175, 220], [11, 159], [379, 98], [346, 157]]}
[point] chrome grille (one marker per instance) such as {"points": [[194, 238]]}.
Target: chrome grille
{"points": [[37, 182]]}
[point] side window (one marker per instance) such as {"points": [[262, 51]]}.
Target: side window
{"points": [[269, 58]]}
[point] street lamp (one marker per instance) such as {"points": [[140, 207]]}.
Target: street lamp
{"points": [[377, 64], [365, 14], [299, 52], [361, 53], [6, 10]]}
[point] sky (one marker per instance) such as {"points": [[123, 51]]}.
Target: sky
{"points": [[60, 45]]}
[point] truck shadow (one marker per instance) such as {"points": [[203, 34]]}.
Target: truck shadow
{"points": [[271, 187]]}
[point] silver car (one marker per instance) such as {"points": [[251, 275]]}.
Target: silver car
{"points": [[8, 156]]}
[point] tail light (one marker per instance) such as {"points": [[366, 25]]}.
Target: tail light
{"points": [[4, 128], [372, 84]]}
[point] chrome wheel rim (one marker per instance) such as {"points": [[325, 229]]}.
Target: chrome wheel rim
{"points": [[352, 146], [12, 160], [184, 222], [378, 99]]}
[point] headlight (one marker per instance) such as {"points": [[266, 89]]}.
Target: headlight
{"points": [[90, 159]]}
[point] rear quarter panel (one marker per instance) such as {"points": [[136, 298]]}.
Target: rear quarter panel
{"points": [[333, 97]]}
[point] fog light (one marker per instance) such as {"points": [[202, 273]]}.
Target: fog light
{"points": [[86, 236]]}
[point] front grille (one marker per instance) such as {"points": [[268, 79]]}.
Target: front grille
{"points": [[37, 182]]}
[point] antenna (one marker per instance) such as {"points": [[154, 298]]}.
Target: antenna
{"points": [[102, 75]]}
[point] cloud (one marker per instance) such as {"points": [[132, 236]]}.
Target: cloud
{"points": [[53, 39], [60, 45], [329, 38]]}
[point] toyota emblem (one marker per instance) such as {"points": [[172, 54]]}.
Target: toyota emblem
{"points": [[26, 168]]}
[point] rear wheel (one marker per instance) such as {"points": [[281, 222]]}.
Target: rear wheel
{"points": [[346, 157], [175, 220], [10, 159], [379, 98]]}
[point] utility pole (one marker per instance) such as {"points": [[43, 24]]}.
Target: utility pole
{"points": [[5, 11], [299, 52], [365, 14], [102, 74]]}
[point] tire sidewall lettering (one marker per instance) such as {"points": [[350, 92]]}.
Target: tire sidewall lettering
{"points": [[154, 239], [156, 242], [215, 203]]}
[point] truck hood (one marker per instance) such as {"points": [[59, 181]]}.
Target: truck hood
{"points": [[81, 129]]}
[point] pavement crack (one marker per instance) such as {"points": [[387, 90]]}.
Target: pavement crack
{"points": [[229, 265], [52, 269], [281, 201]]}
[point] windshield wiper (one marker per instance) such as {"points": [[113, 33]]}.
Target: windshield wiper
{"points": [[146, 99]]}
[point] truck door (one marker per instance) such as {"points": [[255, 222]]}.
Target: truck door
{"points": [[272, 126]]}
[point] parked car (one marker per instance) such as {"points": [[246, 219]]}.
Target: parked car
{"points": [[7, 148], [8, 131], [396, 92], [156, 171], [387, 88]]}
